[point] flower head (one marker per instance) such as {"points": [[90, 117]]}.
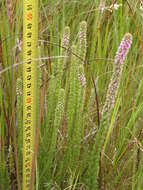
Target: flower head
{"points": [[83, 40], [65, 39], [19, 87], [117, 73], [123, 48], [82, 79], [81, 76], [102, 6]]}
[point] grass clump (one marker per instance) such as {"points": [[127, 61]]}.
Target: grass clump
{"points": [[90, 93]]}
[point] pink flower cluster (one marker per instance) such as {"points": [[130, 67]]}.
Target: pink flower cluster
{"points": [[123, 48], [117, 73]]}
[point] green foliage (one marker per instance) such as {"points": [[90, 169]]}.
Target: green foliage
{"points": [[57, 121], [77, 44]]}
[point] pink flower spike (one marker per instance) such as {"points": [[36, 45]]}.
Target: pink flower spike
{"points": [[123, 48]]}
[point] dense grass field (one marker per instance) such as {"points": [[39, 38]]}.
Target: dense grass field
{"points": [[89, 95]]}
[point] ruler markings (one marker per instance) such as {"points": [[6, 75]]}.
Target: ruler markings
{"points": [[30, 39]]}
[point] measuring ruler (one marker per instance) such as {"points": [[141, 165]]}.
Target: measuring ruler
{"points": [[30, 42]]}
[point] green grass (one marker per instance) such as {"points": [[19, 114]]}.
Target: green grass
{"points": [[75, 152]]}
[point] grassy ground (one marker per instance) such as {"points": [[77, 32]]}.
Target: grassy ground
{"points": [[80, 148]]}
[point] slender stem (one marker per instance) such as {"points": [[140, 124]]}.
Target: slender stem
{"points": [[97, 101]]}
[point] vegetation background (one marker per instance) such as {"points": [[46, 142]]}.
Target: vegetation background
{"points": [[78, 41]]}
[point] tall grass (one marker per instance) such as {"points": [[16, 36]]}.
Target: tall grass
{"points": [[83, 144]]}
